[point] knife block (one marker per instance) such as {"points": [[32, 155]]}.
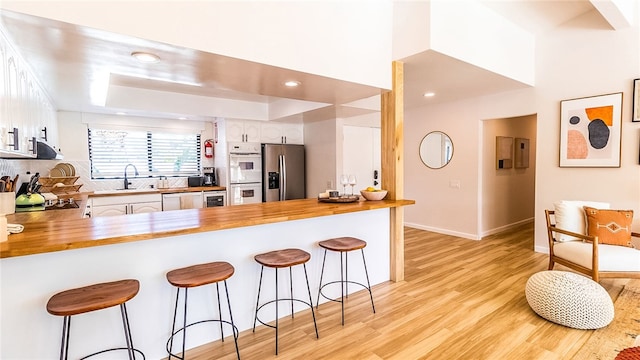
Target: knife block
{"points": [[4, 235], [7, 202]]}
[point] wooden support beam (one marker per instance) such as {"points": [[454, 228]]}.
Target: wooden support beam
{"points": [[392, 113]]}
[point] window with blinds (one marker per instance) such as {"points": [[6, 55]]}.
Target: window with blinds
{"points": [[153, 153]]}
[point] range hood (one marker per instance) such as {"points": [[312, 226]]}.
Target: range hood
{"points": [[47, 152]]}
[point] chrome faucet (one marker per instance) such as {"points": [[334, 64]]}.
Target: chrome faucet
{"points": [[126, 181]]}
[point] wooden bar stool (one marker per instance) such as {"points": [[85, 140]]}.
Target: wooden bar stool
{"points": [[198, 275], [343, 245], [91, 298], [286, 258]]}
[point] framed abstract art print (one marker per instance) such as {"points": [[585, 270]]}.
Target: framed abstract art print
{"points": [[590, 131]]}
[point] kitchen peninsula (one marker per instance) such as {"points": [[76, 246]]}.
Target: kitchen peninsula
{"points": [[50, 256]]}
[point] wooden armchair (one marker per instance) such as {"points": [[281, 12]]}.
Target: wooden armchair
{"points": [[586, 256]]}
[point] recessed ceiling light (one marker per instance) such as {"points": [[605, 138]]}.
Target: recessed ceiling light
{"points": [[182, 118], [292, 83], [121, 113], [429, 94], [145, 57]]}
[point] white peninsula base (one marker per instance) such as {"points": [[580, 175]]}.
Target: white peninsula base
{"points": [[29, 332]]}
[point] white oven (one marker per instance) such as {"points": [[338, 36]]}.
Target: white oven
{"points": [[245, 168], [245, 194], [245, 163], [245, 173]]}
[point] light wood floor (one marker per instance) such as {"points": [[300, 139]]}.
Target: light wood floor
{"points": [[461, 299]]}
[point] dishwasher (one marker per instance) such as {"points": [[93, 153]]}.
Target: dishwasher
{"points": [[181, 201]]}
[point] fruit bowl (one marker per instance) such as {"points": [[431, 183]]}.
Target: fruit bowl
{"points": [[373, 195]]}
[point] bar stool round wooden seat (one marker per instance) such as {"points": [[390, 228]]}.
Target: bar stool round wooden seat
{"points": [[343, 245], [194, 276], [91, 298], [286, 258]]}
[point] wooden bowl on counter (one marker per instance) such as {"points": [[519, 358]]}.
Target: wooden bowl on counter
{"points": [[373, 195]]}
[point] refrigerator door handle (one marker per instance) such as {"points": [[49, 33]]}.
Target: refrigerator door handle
{"points": [[282, 164]]}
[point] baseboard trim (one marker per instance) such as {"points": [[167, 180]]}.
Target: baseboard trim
{"points": [[541, 249], [506, 227], [442, 231], [474, 236]]}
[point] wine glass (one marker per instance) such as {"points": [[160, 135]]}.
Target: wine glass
{"points": [[344, 180], [352, 182]]}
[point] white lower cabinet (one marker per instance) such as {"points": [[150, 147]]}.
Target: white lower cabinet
{"points": [[125, 204], [145, 207], [108, 210]]}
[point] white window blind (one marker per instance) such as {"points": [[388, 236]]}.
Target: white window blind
{"points": [[153, 153]]}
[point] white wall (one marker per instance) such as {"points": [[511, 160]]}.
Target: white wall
{"points": [[324, 140], [411, 30], [574, 61], [440, 207], [320, 150], [465, 30], [72, 127], [471, 32], [220, 156], [73, 136]]}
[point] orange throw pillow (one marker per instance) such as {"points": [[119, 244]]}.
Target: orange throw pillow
{"points": [[610, 226]]}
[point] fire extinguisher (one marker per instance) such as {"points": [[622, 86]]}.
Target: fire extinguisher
{"points": [[208, 148]]}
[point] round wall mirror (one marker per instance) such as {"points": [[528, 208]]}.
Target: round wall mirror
{"points": [[436, 149]]}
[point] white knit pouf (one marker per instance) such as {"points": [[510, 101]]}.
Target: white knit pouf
{"points": [[569, 299]]}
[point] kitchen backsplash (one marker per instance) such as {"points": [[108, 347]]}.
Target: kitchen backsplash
{"points": [[6, 168], [12, 167]]}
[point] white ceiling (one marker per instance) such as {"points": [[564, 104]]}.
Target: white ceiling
{"points": [[452, 79], [88, 70]]}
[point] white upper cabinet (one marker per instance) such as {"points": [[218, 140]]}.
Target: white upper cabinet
{"points": [[263, 132], [293, 133], [25, 108], [271, 133], [281, 133], [242, 131]]}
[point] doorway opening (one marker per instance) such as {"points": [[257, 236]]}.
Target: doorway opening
{"points": [[507, 187]]}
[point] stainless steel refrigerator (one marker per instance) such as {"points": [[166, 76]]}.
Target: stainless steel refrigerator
{"points": [[283, 172]]}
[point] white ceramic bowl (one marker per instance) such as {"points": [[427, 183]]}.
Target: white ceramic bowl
{"points": [[373, 195]]}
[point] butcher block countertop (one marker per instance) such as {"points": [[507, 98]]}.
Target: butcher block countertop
{"points": [[62, 233]]}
